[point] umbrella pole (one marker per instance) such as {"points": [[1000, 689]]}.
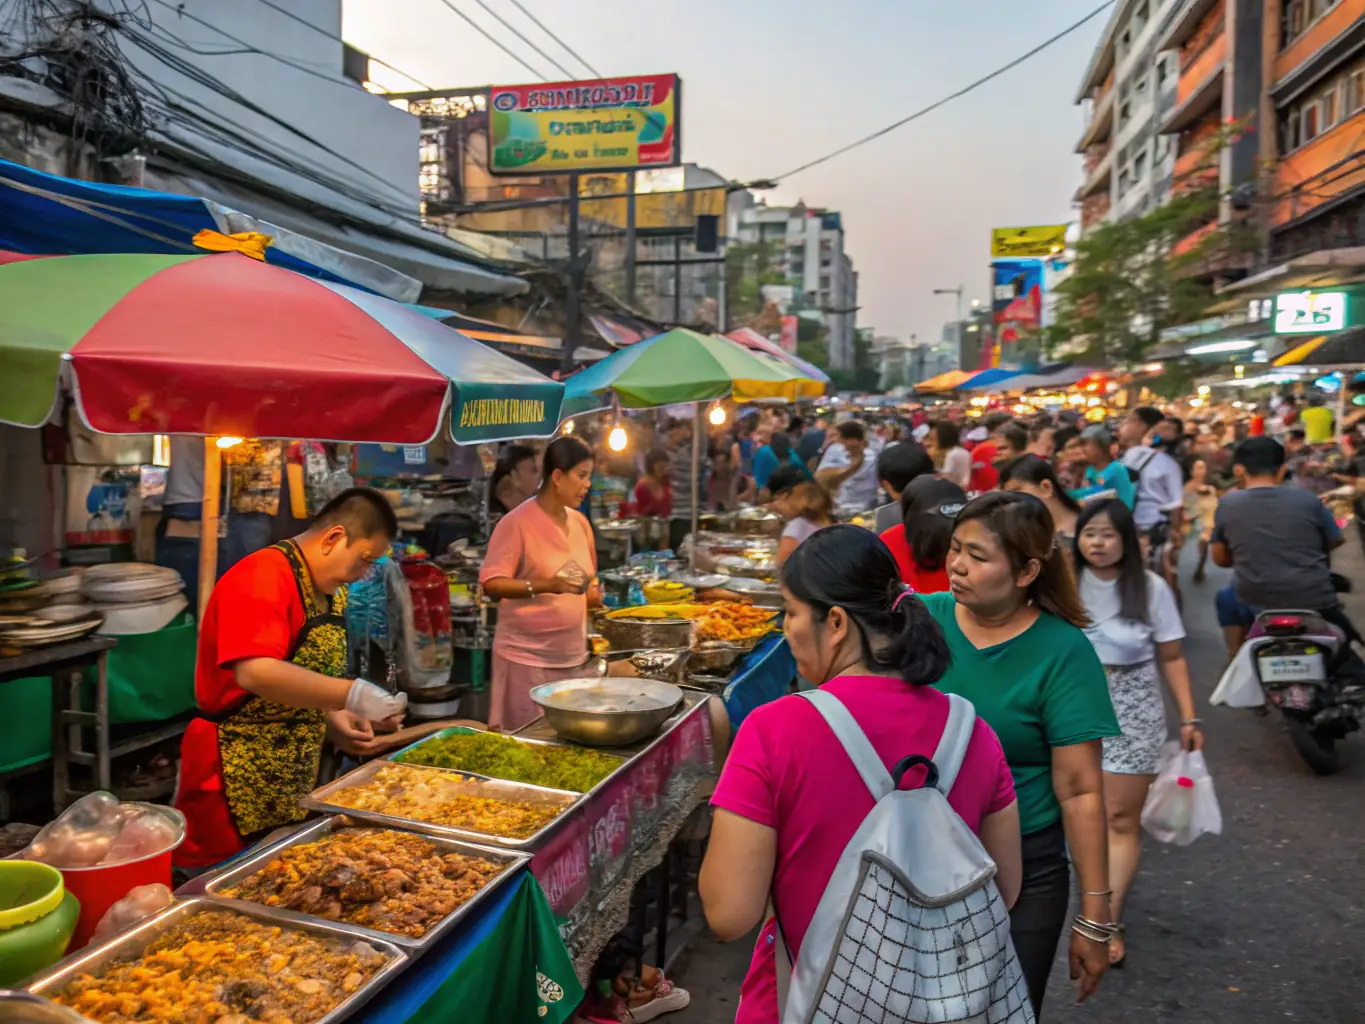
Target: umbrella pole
{"points": [[698, 428], [208, 523]]}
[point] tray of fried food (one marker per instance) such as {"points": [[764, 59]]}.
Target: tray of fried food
{"points": [[395, 884], [197, 960], [440, 802]]}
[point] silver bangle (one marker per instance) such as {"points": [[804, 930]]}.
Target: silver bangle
{"points": [[1192, 721], [530, 589]]}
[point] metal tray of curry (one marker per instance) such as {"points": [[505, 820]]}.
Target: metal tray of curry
{"points": [[365, 892], [312, 971], [393, 794], [408, 754]]}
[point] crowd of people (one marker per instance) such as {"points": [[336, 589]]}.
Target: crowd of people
{"points": [[1042, 555]]}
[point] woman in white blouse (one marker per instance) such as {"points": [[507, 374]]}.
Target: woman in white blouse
{"points": [[1134, 625], [944, 444]]}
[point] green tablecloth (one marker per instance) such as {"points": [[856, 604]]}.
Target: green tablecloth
{"points": [[151, 679]]}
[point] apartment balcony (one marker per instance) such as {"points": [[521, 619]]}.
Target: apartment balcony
{"points": [[1099, 167], [1200, 89], [1101, 125], [1327, 41], [1094, 211], [1201, 64], [1190, 241], [1185, 23], [1320, 174]]}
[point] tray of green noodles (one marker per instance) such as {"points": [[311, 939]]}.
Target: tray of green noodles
{"points": [[559, 766]]}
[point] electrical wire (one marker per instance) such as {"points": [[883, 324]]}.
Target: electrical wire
{"points": [[487, 35], [567, 48], [322, 31], [952, 96], [514, 30]]}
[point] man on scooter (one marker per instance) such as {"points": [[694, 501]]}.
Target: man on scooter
{"points": [[1277, 541]]}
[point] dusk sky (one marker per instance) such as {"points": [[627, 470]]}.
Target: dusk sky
{"points": [[770, 84]]}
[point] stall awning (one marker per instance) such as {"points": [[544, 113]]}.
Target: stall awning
{"points": [[1059, 378], [1338, 349], [944, 381], [509, 339], [48, 214], [988, 379]]}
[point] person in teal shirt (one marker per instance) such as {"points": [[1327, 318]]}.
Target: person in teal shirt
{"points": [[1013, 621], [1105, 473]]}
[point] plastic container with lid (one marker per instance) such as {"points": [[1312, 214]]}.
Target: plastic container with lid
{"points": [[37, 919]]}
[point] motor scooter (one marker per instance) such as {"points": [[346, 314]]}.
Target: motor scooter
{"points": [[1306, 668]]}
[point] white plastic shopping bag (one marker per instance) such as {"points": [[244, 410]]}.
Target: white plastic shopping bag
{"points": [[1181, 805]]}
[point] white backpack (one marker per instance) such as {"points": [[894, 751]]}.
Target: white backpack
{"points": [[911, 928]]}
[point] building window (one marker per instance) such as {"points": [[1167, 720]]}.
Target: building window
{"points": [[1125, 183], [1340, 98], [1296, 16], [1140, 166], [1355, 89]]}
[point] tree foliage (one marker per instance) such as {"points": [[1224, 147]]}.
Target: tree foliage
{"points": [[1133, 278]]}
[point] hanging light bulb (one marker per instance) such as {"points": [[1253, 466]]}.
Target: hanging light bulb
{"points": [[717, 415], [228, 442], [616, 440], [568, 426]]}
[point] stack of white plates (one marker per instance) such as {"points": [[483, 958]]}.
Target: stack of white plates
{"points": [[130, 583]]}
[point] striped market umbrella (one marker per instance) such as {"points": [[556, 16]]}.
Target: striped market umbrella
{"points": [[685, 366], [224, 344], [750, 338]]}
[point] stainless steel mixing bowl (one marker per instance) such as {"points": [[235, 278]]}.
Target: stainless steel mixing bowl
{"points": [[572, 707]]}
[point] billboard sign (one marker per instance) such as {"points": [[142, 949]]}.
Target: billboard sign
{"points": [[1309, 312], [1017, 301], [1037, 242], [606, 124]]}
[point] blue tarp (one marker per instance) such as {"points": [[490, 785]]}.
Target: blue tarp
{"points": [[50, 215], [764, 675]]}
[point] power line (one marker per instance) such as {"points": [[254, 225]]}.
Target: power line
{"points": [[322, 31], [513, 29], [567, 48], [492, 39], [948, 99]]}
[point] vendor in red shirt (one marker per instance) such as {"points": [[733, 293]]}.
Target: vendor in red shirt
{"points": [[654, 493], [270, 680], [920, 543]]}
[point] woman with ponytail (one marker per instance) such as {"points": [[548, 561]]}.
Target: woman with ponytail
{"points": [[1013, 624], [789, 799]]}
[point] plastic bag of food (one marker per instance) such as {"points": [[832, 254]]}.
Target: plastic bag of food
{"points": [[141, 901], [82, 835], [147, 833], [575, 576], [1181, 805]]}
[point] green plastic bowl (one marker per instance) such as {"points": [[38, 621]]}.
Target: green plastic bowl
{"points": [[31, 948], [28, 890]]}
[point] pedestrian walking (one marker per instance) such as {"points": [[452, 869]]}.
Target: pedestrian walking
{"points": [[1013, 622], [790, 799], [1134, 624], [1030, 474]]}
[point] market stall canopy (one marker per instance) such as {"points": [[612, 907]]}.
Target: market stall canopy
{"points": [[48, 214], [750, 338], [1342, 348], [987, 379], [1061, 377], [683, 366], [944, 381], [226, 344], [509, 339]]}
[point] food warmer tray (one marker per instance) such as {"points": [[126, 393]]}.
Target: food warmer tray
{"points": [[211, 885], [556, 742], [131, 941], [541, 730], [493, 789]]}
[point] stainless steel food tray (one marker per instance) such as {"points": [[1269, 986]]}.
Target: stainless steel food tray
{"points": [[26, 1008], [129, 943], [212, 884], [494, 789], [467, 729]]}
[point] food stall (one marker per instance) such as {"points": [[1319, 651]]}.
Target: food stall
{"points": [[411, 898]]}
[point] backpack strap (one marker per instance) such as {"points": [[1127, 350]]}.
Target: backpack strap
{"points": [[855, 742], [957, 736]]}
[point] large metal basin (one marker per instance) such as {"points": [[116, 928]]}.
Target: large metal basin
{"points": [[607, 712], [629, 634]]}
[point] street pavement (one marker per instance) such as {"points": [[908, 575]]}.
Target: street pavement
{"points": [[1263, 923]]}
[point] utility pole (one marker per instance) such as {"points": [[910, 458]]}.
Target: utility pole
{"points": [[958, 291], [630, 239], [572, 316]]}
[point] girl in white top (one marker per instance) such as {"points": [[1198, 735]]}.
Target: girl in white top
{"points": [[944, 444], [805, 503], [1134, 624]]}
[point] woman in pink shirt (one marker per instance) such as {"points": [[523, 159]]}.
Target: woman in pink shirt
{"points": [[789, 799], [541, 567]]}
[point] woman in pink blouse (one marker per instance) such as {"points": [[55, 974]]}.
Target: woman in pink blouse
{"points": [[789, 799], [541, 567]]}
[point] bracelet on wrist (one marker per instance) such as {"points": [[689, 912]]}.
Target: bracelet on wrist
{"points": [[1196, 722], [1095, 931]]}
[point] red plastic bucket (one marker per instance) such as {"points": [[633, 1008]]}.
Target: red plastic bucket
{"points": [[100, 887]]}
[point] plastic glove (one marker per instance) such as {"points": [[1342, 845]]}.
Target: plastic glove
{"points": [[373, 703]]}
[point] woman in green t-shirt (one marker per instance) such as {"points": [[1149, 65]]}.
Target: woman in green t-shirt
{"points": [[1012, 619]]}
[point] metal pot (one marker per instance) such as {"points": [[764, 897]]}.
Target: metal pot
{"points": [[628, 634], [715, 656], [607, 712], [758, 522]]}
